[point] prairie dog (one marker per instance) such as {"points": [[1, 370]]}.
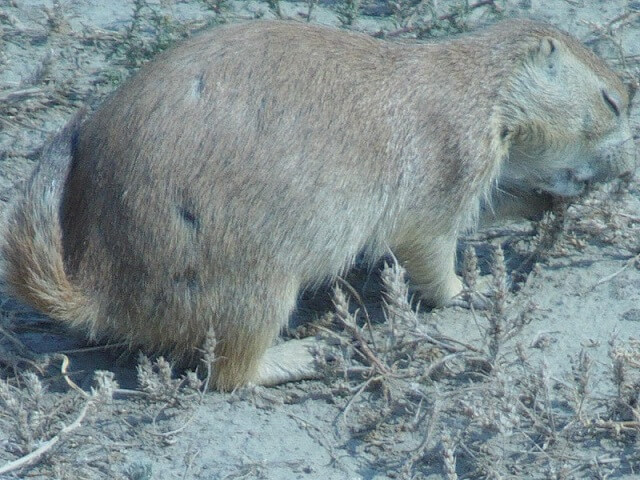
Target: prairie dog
{"points": [[257, 159]]}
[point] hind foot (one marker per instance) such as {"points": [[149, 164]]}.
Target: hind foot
{"points": [[289, 361]]}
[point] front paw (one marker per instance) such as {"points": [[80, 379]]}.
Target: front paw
{"points": [[471, 300], [480, 298], [442, 293]]}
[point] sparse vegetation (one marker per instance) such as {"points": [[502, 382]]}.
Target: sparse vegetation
{"points": [[138, 46], [274, 6], [310, 6], [483, 409], [218, 6], [347, 11], [459, 393], [426, 19]]}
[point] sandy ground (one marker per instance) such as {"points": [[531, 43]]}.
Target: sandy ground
{"points": [[546, 385]]}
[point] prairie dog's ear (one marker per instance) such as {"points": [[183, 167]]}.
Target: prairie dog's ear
{"points": [[545, 53], [545, 50], [547, 46]]}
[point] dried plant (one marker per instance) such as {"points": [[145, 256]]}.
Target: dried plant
{"points": [[37, 424], [274, 6], [347, 11]]}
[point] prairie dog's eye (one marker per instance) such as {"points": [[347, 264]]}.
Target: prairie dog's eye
{"points": [[612, 104]]}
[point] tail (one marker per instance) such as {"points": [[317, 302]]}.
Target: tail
{"points": [[31, 252]]}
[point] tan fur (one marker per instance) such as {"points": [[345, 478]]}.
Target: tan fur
{"points": [[254, 160]]}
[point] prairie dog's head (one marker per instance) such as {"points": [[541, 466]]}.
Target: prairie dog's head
{"points": [[568, 124]]}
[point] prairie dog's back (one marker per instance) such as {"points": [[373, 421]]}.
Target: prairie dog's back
{"points": [[266, 106]]}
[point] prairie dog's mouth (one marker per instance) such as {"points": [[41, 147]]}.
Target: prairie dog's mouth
{"points": [[568, 182]]}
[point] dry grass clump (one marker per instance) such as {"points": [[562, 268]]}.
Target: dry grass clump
{"points": [[35, 422], [218, 6], [150, 31], [424, 403], [606, 215], [159, 384], [611, 33], [347, 11], [48, 434], [427, 19], [157, 380], [624, 414], [73, 435], [54, 80]]}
